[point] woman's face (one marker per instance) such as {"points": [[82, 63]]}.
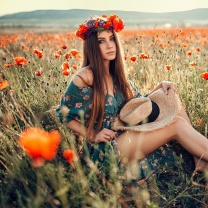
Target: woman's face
{"points": [[107, 45]]}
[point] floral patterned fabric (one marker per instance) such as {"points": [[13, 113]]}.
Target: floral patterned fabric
{"points": [[78, 101]]}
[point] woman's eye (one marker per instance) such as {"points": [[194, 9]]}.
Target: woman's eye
{"points": [[100, 41], [112, 39]]}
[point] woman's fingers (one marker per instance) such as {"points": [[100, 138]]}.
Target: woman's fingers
{"points": [[166, 85], [105, 135]]}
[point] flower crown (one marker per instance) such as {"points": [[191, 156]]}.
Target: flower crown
{"points": [[112, 22]]}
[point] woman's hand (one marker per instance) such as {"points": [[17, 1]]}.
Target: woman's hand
{"points": [[166, 85], [105, 135]]}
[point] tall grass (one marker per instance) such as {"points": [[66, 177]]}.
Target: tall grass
{"points": [[31, 100]]}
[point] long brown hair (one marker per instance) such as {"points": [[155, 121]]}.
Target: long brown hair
{"points": [[92, 57]]}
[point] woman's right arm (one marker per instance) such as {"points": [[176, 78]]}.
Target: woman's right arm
{"points": [[104, 135], [80, 129]]}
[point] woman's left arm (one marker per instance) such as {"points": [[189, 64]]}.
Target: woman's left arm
{"points": [[166, 85]]}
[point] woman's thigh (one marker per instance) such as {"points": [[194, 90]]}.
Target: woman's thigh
{"points": [[137, 145]]}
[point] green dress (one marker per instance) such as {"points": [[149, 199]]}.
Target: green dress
{"points": [[78, 101]]}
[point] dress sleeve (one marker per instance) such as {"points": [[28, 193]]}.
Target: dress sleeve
{"points": [[75, 104]]}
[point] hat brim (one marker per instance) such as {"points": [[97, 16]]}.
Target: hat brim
{"points": [[169, 105]]}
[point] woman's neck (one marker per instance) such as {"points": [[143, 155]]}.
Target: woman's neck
{"points": [[107, 67]]}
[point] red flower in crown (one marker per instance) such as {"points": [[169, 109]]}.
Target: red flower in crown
{"points": [[105, 22], [117, 22], [81, 31]]}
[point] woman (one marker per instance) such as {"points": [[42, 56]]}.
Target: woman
{"points": [[100, 89]]}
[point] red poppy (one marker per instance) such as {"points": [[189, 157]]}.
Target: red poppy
{"points": [[64, 46], [39, 73], [74, 52], [198, 49], [20, 61], [70, 156], [66, 72], [3, 84], [133, 58], [118, 24], [65, 65], [35, 51], [192, 63], [25, 47], [66, 55], [56, 55], [59, 52], [168, 67], [74, 67], [144, 56], [40, 54], [39, 144], [107, 24], [81, 31], [189, 53], [8, 65], [205, 75]]}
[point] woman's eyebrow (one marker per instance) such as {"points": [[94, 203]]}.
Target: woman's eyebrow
{"points": [[106, 38], [101, 38]]}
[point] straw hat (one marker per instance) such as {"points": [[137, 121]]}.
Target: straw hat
{"points": [[147, 114]]}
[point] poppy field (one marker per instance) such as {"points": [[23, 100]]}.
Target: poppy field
{"points": [[42, 162]]}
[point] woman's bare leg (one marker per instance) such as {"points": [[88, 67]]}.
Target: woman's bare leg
{"points": [[137, 145], [200, 164]]}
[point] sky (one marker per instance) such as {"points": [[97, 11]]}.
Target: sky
{"points": [[14, 6]]}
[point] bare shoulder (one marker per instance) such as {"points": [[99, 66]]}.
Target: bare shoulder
{"points": [[84, 77]]}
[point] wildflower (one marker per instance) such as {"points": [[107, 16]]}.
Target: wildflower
{"points": [[20, 61], [66, 55], [8, 65], [70, 156], [56, 55], [39, 73], [65, 65], [59, 52], [168, 67], [144, 56], [64, 46], [74, 52], [198, 49], [133, 58], [39, 145], [3, 84], [193, 63], [78, 56], [74, 67], [25, 47], [199, 122], [66, 72], [189, 53], [204, 75], [40, 54]]}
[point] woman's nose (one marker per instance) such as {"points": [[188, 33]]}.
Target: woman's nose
{"points": [[109, 45]]}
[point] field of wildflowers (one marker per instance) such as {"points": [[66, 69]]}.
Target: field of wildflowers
{"points": [[41, 161]]}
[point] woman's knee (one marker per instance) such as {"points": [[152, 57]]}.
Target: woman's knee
{"points": [[179, 124]]}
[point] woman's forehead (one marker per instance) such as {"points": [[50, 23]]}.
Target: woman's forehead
{"points": [[105, 34]]}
